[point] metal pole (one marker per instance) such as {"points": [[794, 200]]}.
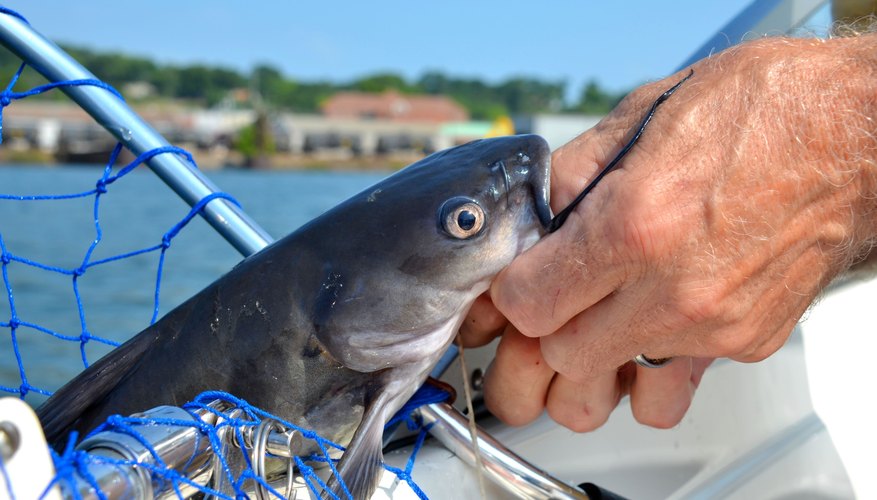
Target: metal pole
{"points": [[502, 466], [128, 128], [757, 19]]}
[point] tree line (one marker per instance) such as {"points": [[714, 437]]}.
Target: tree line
{"points": [[210, 85]]}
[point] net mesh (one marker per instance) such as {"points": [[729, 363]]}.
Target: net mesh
{"points": [[23, 329], [234, 417]]}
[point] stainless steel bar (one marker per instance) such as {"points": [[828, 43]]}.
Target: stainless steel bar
{"points": [[179, 447], [501, 465], [126, 126]]}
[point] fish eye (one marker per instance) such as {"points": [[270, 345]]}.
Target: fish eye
{"points": [[462, 218]]}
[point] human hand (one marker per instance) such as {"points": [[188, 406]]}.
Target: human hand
{"points": [[752, 188]]}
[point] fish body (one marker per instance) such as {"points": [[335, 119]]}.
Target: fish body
{"points": [[335, 326]]}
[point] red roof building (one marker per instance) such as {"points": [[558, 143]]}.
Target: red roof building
{"points": [[393, 106]]}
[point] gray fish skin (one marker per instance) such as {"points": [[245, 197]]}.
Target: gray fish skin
{"points": [[335, 326]]}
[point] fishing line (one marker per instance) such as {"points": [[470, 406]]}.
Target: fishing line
{"points": [[561, 217], [473, 428]]}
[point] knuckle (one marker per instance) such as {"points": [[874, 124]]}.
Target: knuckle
{"points": [[709, 305], [751, 357], [527, 321], [512, 303], [565, 359], [697, 309], [728, 343], [579, 420], [481, 327], [511, 414], [635, 100], [722, 326], [486, 315], [763, 350], [660, 419], [642, 238]]}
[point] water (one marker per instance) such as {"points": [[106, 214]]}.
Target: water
{"points": [[137, 210]]}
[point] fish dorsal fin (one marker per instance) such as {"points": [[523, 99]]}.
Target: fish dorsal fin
{"points": [[361, 465], [60, 413]]}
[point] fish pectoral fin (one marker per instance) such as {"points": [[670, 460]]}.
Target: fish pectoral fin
{"points": [[361, 465], [61, 412]]}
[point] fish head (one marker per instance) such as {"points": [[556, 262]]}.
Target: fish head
{"points": [[403, 261]]}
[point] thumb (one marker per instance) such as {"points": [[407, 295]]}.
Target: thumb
{"points": [[565, 272], [562, 275]]}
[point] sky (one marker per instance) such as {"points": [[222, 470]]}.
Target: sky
{"points": [[620, 44]]}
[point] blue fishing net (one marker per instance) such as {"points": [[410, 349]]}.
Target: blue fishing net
{"points": [[22, 329], [220, 418]]}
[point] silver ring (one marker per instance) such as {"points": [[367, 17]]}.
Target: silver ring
{"points": [[646, 362]]}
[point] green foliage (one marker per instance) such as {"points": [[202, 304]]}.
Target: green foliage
{"points": [[310, 97], [212, 85], [596, 101], [255, 139], [382, 82], [528, 96], [268, 82], [482, 101], [488, 102], [9, 64]]}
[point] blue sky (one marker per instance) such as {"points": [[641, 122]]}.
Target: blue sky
{"points": [[620, 44]]}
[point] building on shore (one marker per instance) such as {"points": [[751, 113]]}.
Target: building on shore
{"points": [[353, 126], [392, 106]]}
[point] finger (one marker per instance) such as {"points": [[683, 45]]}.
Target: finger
{"points": [[562, 275], [659, 397], [597, 340], [483, 323], [698, 368], [566, 271], [516, 383], [577, 162], [768, 344], [583, 406]]}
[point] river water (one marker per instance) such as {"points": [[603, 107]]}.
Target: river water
{"points": [[118, 297]]}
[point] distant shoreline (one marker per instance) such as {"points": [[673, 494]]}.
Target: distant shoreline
{"points": [[232, 161]]}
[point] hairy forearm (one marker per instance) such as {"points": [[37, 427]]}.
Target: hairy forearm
{"points": [[817, 113], [851, 147], [862, 130]]}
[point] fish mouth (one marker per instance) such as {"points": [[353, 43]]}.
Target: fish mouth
{"points": [[542, 197], [540, 179]]}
